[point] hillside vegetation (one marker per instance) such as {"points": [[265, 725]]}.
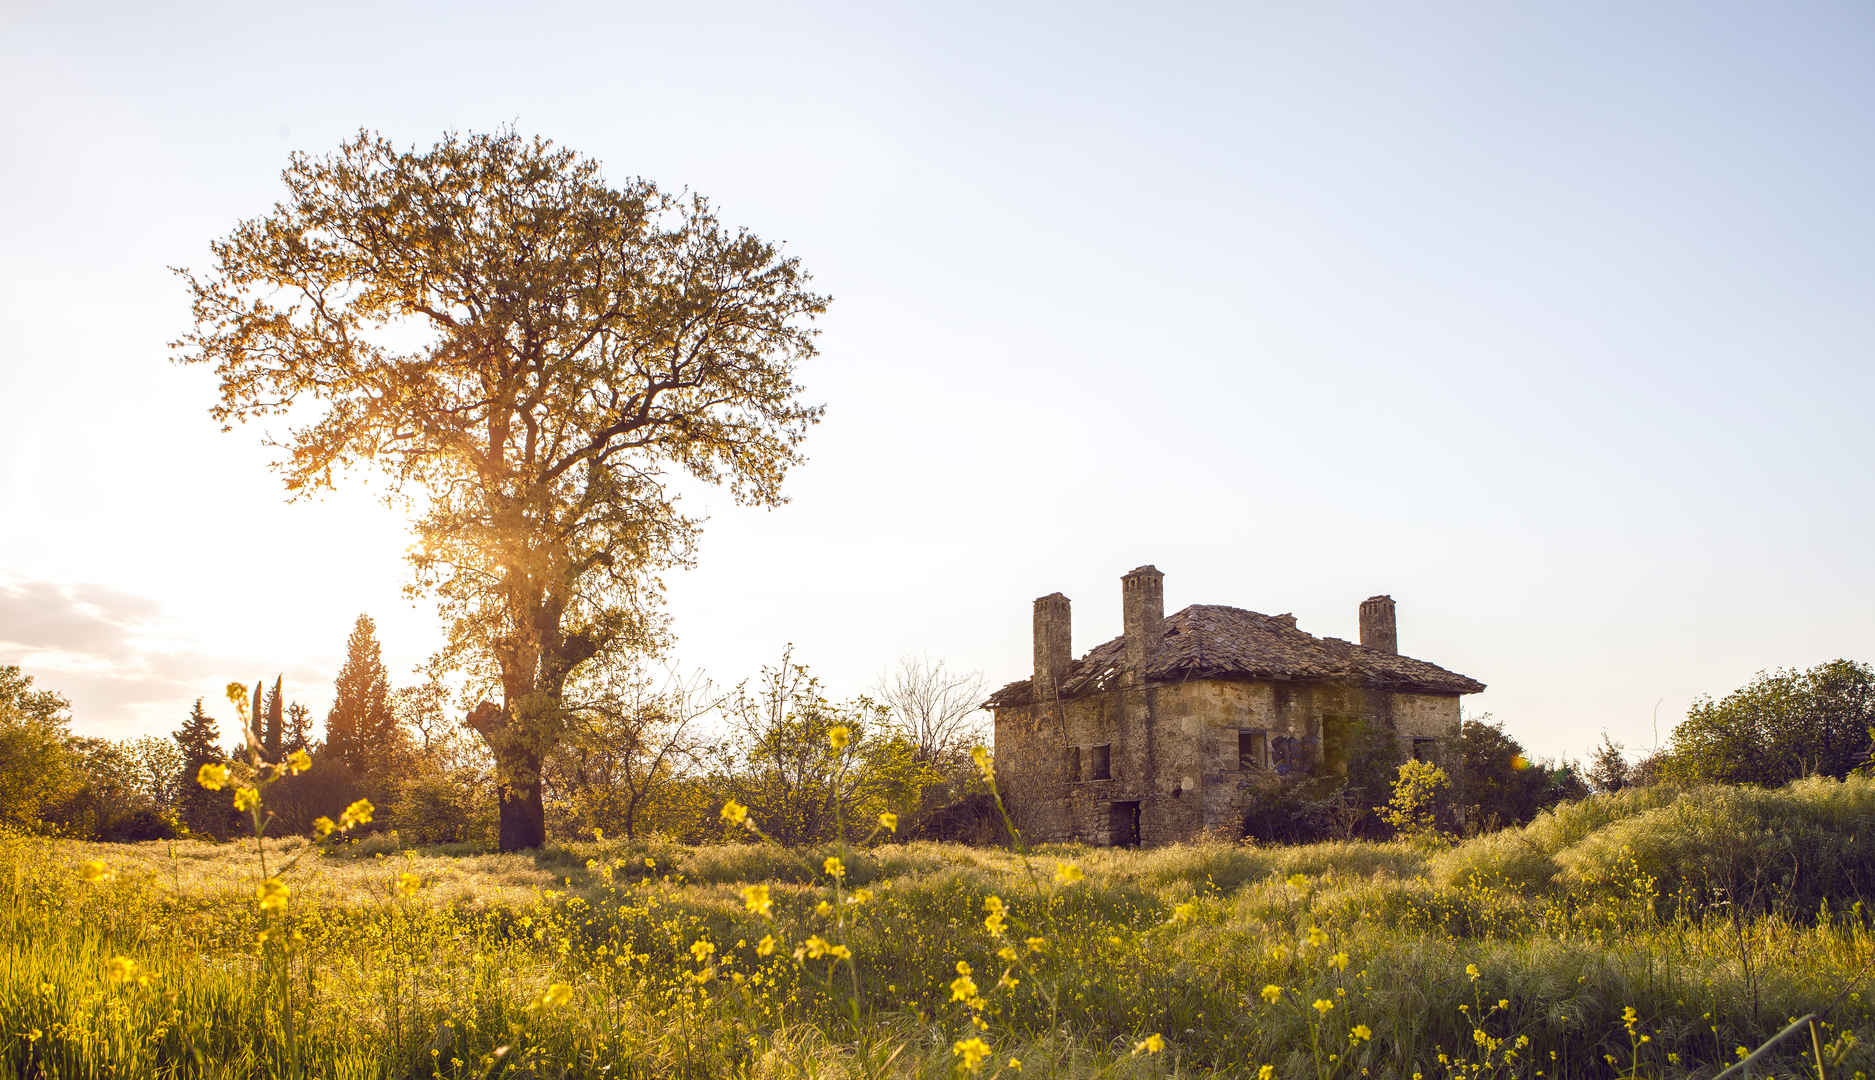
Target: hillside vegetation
{"points": [[1650, 932]]}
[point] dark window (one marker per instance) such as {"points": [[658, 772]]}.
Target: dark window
{"points": [[1102, 766], [1425, 749], [1252, 750], [1074, 764]]}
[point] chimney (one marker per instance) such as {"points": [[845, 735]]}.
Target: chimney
{"points": [[1053, 651], [1142, 600], [1378, 630]]}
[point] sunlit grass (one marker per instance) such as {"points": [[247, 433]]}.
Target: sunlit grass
{"points": [[648, 959]]}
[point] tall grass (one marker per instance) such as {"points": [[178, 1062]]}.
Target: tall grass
{"points": [[1605, 939]]}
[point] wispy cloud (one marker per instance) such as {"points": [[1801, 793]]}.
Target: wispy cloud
{"points": [[113, 655]]}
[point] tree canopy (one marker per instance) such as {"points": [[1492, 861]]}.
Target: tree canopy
{"points": [[529, 354], [1782, 725]]}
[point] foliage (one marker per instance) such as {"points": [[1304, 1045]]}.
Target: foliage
{"points": [[1608, 770], [1495, 783], [779, 760], [630, 738], [1780, 726], [496, 329], [362, 733], [198, 743], [1413, 809], [37, 769]]}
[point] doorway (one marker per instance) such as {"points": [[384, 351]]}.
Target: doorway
{"points": [[1123, 823]]}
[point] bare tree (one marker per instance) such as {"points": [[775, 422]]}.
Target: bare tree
{"points": [[630, 735], [935, 707]]}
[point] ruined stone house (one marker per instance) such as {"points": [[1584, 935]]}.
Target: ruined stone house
{"points": [[1169, 729]]}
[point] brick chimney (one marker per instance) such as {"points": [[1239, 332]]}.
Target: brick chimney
{"points": [[1378, 630], [1142, 600], [1053, 648]]}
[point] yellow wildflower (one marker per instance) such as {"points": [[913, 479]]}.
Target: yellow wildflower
{"points": [[271, 894], [246, 798], [963, 988], [95, 871], [766, 946], [1067, 873], [735, 813], [981, 756], [993, 922], [1317, 936], [322, 827], [120, 969], [756, 899], [408, 883], [889, 820], [823, 909], [702, 949], [213, 776], [556, 995], [817, 947], [834, 867], [972, 1051], [838, 736], [859, 896], [1472, 970], [1035, 944], [1324, 1006], [358, 813], [1339, 961], [1151, 1044], [1268, 1072], [297, 762], [1360, 1033], [1298, 882], [1272, 993]]}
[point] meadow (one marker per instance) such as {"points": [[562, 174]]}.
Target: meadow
{"points": [[1654, 932]]}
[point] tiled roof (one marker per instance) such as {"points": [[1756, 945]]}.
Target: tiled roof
{"points": [[1208, 641]]}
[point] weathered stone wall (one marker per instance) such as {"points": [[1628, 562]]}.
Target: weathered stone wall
{"points": [[1173, 749], [1426, 716]]}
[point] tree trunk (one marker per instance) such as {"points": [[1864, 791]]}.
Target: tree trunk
{"points": [[523, 817], [517, 778]]}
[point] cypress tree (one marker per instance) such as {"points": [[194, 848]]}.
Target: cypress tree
{"points": [[270, 736], [253, 727], [360, 728]]}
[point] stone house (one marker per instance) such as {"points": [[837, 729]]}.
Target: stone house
{"points": [[1170, 729]]}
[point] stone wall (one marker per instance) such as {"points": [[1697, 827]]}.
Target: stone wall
{"points": [[1173, 749]]}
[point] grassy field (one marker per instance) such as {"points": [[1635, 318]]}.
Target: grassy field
{"points": [[1651, 933]]}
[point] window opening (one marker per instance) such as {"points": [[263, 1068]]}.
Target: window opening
{"points": [[1252, 750], [1102, 765]]}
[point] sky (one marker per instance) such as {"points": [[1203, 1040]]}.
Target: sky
{"points": [[1552, 322]]}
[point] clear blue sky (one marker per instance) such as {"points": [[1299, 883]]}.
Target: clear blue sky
{"points": [[1555, 325]]}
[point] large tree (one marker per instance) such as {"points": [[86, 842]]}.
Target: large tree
{"points": [[527, 352], [1780, 726], [37, 766]]}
